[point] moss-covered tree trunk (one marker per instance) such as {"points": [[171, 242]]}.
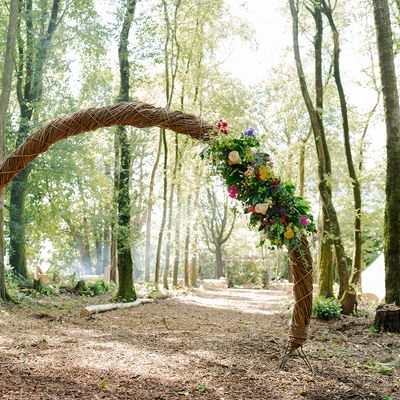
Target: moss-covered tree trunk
{"points": [[392, 117], [126, 289]]}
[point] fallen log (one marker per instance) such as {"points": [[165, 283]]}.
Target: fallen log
{"points": [[89, 310]]}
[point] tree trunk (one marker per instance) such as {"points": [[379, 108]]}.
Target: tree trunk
{"points": [[218, 259], [99, 253], [170, 213], [187, 243], [177, 239], [126, 289], [17, 224], [164, 214], [326, 266], [392, 117], [147, 260], [387, 318], [105, 257], [357, 255], [86, 245], [114, 211], [322, 149], [4, 102]]}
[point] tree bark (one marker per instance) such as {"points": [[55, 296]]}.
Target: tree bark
{"points": [[177, 239], [147, 260], [326, 266], [392, 118], [187, 242], [170, 213], [4, 102], [126, 289], [164, 214], [105, 256], [114, 216]]}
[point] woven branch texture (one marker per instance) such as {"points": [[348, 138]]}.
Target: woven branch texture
{"points": [[138, 114], [301, 260], [142, 115]]}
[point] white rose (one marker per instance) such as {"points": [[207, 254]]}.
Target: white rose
{"points": [[234, 157], [261, 208]]}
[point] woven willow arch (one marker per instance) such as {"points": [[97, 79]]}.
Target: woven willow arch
{"points": [[142, 115]]}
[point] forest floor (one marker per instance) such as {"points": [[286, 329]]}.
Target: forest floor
{"points": [[208, 345]]}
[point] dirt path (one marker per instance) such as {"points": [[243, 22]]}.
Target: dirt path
{"points": [[211, 345]]}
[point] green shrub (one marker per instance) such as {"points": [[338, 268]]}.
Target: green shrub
{"points": [[100, 287], [326, 308]]}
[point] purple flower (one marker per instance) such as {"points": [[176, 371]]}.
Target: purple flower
{"points": [[304, 220], [249, 132]]}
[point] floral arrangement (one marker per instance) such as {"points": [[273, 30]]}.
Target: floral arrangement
{"points": [[250, 178]]}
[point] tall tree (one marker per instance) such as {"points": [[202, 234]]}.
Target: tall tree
{"points": [[4, 101], [126, 289], [216, 228], [171, 63], [32, 59], [147, 254], [392, 117], [321, 146], [357, 254]]}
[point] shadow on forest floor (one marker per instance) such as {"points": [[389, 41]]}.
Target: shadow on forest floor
{"points": [[222, 344]]}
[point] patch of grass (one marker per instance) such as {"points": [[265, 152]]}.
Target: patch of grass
{"points": [[380, 368]]}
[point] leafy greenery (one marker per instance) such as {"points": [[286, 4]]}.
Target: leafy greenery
{"points": [[326, 308]]}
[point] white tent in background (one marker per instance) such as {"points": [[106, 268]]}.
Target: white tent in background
{"points": [[373, 278]]}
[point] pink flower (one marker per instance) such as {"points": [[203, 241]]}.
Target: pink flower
{"points": [[250, 209], [304, 220], [222, 126], [232, 192], [283, 219]]}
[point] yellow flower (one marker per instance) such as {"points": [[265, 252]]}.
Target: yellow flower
{"points": [[266, 173], [288, 234], [263, 173]]}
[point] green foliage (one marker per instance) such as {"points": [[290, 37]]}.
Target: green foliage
{"points": [[49, 290], [100, 287], [326, 308]]}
